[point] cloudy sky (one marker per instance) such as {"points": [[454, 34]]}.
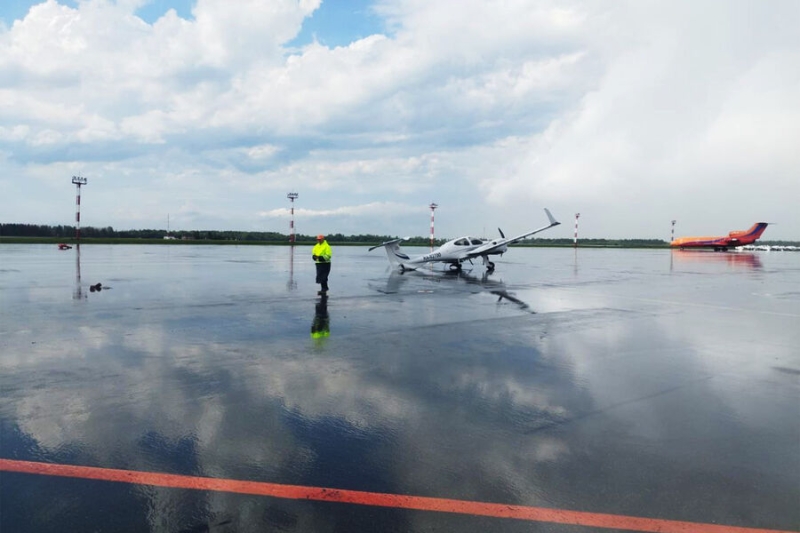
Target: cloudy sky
{"points": [[209, 112]]}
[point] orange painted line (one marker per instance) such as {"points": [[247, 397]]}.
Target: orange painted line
{"points": [[419, 503]]}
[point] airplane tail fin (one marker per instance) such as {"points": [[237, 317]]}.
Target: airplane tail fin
{"points": [[753, 233], [396, 255]]}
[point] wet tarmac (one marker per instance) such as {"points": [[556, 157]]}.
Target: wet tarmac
{"points": [[626, 384]]}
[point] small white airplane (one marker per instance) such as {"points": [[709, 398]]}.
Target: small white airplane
{"points": [[458, 250]]}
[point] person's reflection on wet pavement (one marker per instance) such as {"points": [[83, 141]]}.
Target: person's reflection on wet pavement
{"points": [[321, 326]]}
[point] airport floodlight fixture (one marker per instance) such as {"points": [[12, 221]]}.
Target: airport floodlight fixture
{"points": [[78, 181], [292, 196]]}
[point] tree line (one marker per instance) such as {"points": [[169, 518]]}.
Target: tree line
{"points": [[108, 232], [89, 232]]}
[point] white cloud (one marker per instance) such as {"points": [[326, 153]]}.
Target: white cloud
{"points": [[675, 123], [265, 151], [374, 209]]}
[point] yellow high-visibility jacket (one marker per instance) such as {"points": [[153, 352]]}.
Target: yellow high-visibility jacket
{"points": [[322, 251]]}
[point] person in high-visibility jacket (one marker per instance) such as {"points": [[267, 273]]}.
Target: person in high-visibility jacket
{"points": [[322, 257]]}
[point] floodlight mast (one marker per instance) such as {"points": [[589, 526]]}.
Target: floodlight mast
{"points": [[292, 196], [575, 242], [78, 181], [672, 236], [433, 207]]}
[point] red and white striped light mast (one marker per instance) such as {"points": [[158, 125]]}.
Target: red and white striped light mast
{"points": [[575, 242], [292, 196], [78, 181], [433, 207], [672, 236]]}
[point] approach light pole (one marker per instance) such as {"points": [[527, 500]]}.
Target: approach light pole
{"points": [[78, 181], [672, 236], [292, 196], [433, 207], [575, 242]]}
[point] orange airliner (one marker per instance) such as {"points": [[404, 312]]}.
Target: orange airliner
{"points": [[734, 238]]}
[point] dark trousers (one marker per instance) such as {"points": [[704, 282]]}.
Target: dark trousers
{"points": [[323, 269]]}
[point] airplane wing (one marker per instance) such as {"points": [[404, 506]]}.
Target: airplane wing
{"points": [[491, 246]]}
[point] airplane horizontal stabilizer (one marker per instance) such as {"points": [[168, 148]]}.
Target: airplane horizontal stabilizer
{"points": [[387, 243], [395, 254]]}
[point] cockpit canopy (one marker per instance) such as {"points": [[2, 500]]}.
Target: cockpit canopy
{"points": [[466, 241]]}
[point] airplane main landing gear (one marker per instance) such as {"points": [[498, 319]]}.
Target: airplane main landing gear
{"points": [[455, 267], [490, 266]]}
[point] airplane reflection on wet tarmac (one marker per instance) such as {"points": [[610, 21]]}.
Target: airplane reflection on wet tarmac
{"points": [[738, 260], [483, 283]]}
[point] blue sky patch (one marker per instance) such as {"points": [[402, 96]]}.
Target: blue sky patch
{"points": [[11, 10], [335, 23], [338, 23], [156, 9]]}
